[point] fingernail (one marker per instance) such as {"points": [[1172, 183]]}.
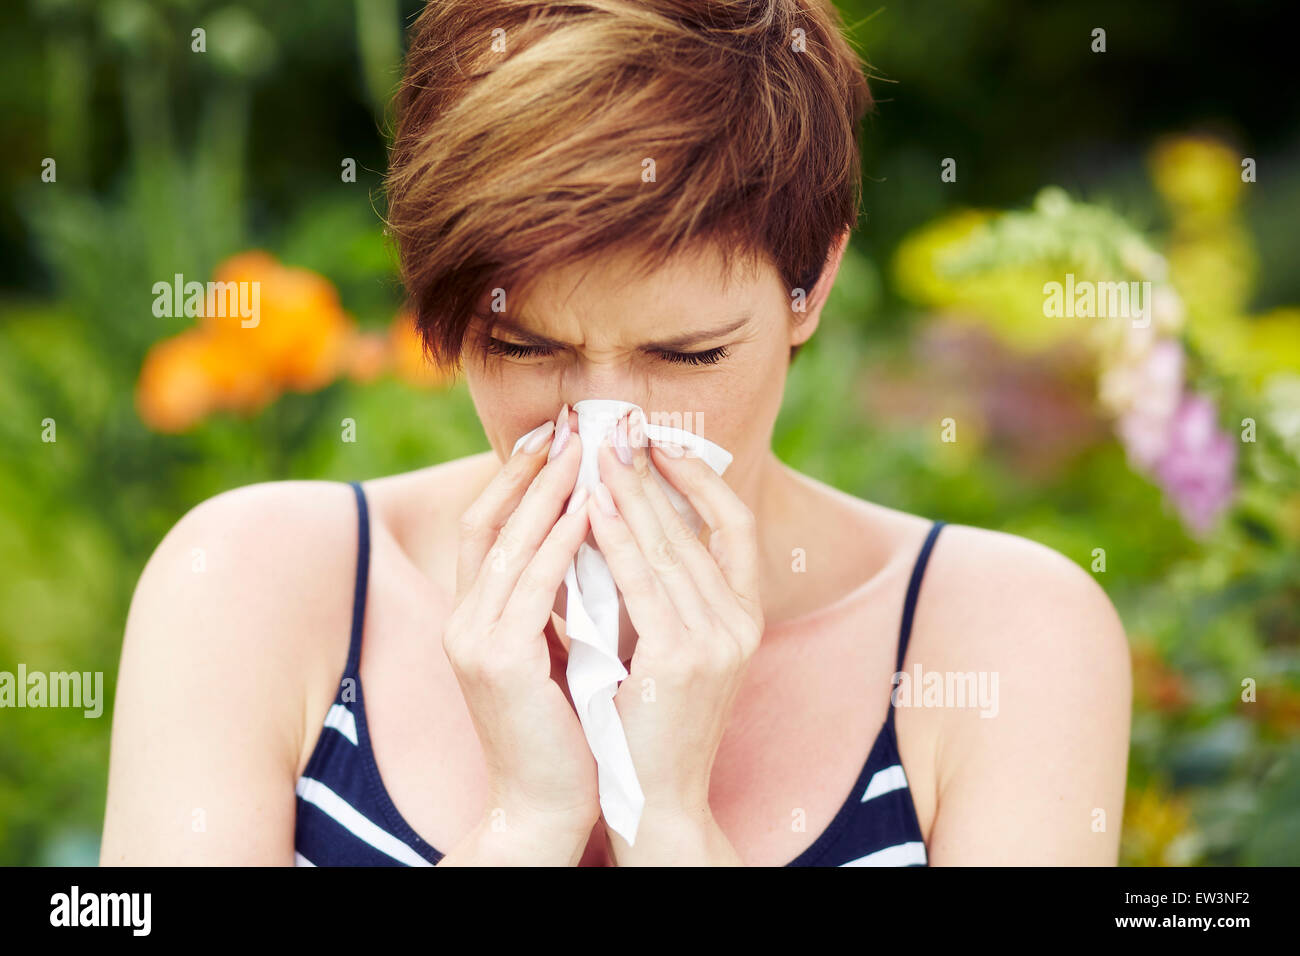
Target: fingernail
{"points": [[605, 500], [619, 441], [670, 449], [636, 435], [561, 432], [537, 437], [578, 500]]}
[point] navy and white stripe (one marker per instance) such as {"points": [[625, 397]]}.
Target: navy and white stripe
{"points": [[345, 816]]}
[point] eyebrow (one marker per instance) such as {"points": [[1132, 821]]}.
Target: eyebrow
{"points": [[677, 344]]}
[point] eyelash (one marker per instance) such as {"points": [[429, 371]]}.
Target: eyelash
{"points": [[513, 350]]}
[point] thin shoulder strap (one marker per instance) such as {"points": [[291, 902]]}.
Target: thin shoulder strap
{"points": [[363, 577], [914, 588]]}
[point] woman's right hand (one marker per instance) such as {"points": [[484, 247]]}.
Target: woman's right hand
{"points": [[513, 555]]}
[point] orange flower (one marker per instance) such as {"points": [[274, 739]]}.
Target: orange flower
{"points": [[237, 383], [275, 328], [301, 331], [175, 389]]}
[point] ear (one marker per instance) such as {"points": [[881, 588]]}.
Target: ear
{"points": [[802, 330]]}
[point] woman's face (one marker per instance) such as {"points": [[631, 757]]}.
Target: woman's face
{"points": [[691, 351]]}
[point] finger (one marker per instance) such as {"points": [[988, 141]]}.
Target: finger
{"points": [[628, 484], [524, 530], [483, 519], [700, 565], [733, 533], [701, 568], [647, 604], [527, 611]]}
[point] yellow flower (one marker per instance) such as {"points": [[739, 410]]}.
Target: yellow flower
{"points": [[1275, 341], [1009, 299], [1158, 830], [1213, 269], [917, 261], [1198, 176]]}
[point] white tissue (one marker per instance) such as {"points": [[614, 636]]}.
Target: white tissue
{"points": [[592, 614]]}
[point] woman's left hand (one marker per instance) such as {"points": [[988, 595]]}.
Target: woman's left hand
{"points": [[698, 619]]}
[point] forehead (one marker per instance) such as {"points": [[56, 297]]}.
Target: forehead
{"points": [[633, 286]]}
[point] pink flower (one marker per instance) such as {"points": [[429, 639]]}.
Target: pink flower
{"points": [[1198, 465], [1148, 391]]}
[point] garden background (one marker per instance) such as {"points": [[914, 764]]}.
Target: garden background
{"points": [[1165, 460]]}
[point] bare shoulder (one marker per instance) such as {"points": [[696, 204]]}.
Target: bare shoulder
{"points": [[1035, 771], [257, 515], [253, 552], [275, 562], [242, 607], [254, 579], [1019, 596]]}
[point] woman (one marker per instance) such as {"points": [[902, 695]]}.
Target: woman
{"points": [[645, 201]]}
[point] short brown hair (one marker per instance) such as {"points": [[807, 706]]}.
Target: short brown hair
{"points": [[524, 131]]}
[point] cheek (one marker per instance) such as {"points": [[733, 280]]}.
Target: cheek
{"points": [[505, 410], [734, 406], [756, 399]]}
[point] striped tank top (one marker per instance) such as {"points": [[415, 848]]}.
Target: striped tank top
{"points": [[345, 816]]}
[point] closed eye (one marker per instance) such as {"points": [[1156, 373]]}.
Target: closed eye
{"points": [[514, 350]]}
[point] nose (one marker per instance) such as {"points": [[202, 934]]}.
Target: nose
{"points": [[608, 377]]}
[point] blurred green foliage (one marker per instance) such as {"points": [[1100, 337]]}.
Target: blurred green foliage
{"points": [[170, 162]]}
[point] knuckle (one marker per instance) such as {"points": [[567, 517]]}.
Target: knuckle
{"points": [[538, 480], [455, 645], [642, 580], [522, 470], [641, 465], [639, 576], [469, 526], [481, 667], [679, 534], [529, 582], [494, 668], [724, 656], [745, 522], [461, 641], [663, 556], [635, 489], [508, 541], [468, 659], [496, 559]]}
